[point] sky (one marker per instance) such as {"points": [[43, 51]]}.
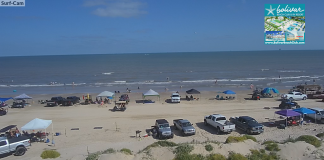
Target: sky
{"points": [[61, 27]]}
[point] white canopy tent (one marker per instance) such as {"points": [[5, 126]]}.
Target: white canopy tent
{"points": [[151, 93], [23, 96], [106, 94], [37, 124]]}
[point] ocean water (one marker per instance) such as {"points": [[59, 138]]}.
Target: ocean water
{"points": [[116, 72]]}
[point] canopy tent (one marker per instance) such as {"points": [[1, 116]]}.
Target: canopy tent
{"points": [[192, 91], [268, 90], [106, 94], [304, 111], [5, 129], [37, 124], [4, 99], [229, 92], [22, 96], [288, 113], [151, 93]]}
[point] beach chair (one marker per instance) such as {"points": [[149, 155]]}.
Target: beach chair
{"points": [[217, 97]]}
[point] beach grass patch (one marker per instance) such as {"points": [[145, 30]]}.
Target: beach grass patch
{"points": [[189, 157], [250, 137], [309, 139], [268, 142], [236, 156], [262, 155], [215, 157], [209, 147], [93, 156], [272, 147], [183, 149], [159, 143], [50, 154], [126, 151], [109, 150], [233, 139]]}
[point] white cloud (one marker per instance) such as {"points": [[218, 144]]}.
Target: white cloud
{"points": [[120, 8]]}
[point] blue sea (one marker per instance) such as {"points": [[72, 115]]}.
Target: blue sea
{"points": [[158, 71]]}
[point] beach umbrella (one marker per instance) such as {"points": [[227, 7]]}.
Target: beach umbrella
{"points": [[229, 92]]}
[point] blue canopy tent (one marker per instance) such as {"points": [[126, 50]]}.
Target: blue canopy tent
{"points": [[229, 92], [304, 111], [4, 99], [268, 90]]}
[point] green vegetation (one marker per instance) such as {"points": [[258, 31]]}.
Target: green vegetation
{"points": [[232, 139], [310, 139], [160, 143], [215, 157], [109, 150], [50, 154], [209, 147], [126, 151], [236, 156], [289, 140], [272, 147], [93, 156], [183, 149], [262, 155]]}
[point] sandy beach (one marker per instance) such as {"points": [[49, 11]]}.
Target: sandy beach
{"points": [[76, 144]]}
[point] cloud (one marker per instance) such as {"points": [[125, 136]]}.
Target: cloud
{"points": [[121, 8]]}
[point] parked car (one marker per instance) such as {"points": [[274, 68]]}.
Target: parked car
{"points": [[319, 114], [16, 145], [55, 101], [175, 98], [162, 129], [288, 104], [247, 124], [220, 123], [18, 104], [294, 96], [70, 101], [184, 126]]}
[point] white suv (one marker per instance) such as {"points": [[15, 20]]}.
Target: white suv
{"points": [[175, 98]]}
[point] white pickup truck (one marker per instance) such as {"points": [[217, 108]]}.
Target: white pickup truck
{"points": [[220, 123], [319, 114], [294, 96]]}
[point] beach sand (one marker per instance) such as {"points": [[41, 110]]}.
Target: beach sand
{"points": [[118, 128]]}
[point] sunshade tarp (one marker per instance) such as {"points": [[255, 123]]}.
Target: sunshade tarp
{"points": [[288, 113], [106, 94], [304, 111], [36, 124], [7, 128], [23, 96], [268, 90], [192, 91], [4, 99], [229, 92]]}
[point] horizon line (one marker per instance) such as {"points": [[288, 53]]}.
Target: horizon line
{"points": [[161, 52]]}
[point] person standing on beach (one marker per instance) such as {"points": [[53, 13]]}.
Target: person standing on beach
{"points": [[251, 86], [279, 78], [216, 81], [314, 80]]}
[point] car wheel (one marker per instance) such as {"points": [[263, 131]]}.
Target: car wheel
{"points": [[218, 130], [160, 136], [297, 106], [304, 98], [20, 151], [248, 131], [205, 122], [183, 134], [291, 99]]}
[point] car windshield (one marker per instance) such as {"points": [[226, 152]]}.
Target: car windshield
{"points": [[175, 95], [164, 125], [322, 112], [186, 124], [290, 93]]}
